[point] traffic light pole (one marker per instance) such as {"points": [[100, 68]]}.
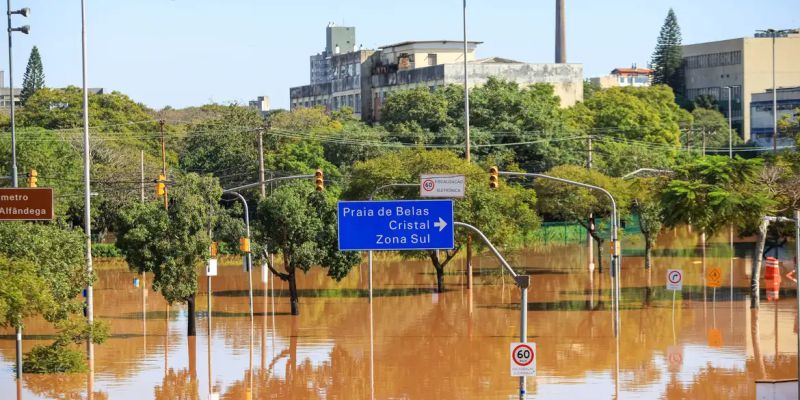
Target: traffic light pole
{"points": [[616, 255], [369, 253], [522, 281], [248, 260]]}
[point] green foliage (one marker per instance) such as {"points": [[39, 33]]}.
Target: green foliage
{"points": [[300, 224], [77, 331], [667, 57], [170, 244], [706, 101], [504, 215], [56, 160], [226, 146], [713, 127], [23, 293], [54, 358], [105, 250], [637, 113], [63, 109], [34, 76], [714, 191], [589, 89], [58, 257], [646, 201], [415, 111], [566, 202]]}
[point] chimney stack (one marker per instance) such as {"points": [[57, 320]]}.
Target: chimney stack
{"points": [[561, 33]]}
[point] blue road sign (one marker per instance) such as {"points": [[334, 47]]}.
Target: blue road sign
{"points": [[396, 225]]}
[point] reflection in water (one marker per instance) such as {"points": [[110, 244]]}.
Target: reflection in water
{"points": [[407, 346]]}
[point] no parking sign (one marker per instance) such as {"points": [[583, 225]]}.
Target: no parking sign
{"points": [[523, 359]]}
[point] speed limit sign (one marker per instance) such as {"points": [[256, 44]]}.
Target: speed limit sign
{"points": [[523, 359]]}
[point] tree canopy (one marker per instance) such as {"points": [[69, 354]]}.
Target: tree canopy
{"points": [[668, 57], [34, 76]]}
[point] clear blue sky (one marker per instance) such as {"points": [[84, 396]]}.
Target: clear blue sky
{"points": [[191, 52]]}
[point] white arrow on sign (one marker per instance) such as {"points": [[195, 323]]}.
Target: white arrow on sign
{"points": [[441, 224]]}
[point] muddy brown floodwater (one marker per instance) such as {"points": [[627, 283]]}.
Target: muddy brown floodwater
{"points": [[426, 345]]}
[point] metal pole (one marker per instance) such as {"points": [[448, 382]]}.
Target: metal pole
{"points": [[774, 100], [13, 164], [589, 239], [466, 88], [141, 196], [615, 268], [11, 97], [261, 163], [164, 163], [87, 218], [369, 253], [797, 276], [248, 257], [730, 122], [523, 329]]}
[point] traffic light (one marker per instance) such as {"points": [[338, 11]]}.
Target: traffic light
{"points": [[214, 249], [319, 180], [244, 244], [160, 186], [494, 178], [33, 177]]}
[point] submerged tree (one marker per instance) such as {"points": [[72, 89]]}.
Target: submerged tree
{"points": [[172, 243], [300, 224], [646, 201], [571, 203], [34, 76]]}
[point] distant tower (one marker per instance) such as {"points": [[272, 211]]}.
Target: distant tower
{"points": [[561, 33]]}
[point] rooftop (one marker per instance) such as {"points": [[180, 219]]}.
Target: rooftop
{"points": [[429, 42]]}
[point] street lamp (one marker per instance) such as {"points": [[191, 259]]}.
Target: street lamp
{"points": [[26, 29], [773, 33], [730, 123]]}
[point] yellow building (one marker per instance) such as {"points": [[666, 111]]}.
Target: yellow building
{"points": [[745, 65]]}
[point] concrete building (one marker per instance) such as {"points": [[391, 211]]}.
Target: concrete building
{"points": [[744, 64], [632, 76], [761, 111], [261, 103], [338, 40], [362, 79]]}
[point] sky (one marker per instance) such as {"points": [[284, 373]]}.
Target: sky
{"points": [[192, 52]]}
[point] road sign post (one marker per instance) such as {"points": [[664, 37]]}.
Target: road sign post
{"points": [[447, 186], [396, 225], [26, 204], [674, 279], [523, 359]]}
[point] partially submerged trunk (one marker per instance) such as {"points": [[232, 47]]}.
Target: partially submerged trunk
{"points": [[439, 264], [295, 300], [648, 252], [755, 290], [191, 327], [590, 227]]}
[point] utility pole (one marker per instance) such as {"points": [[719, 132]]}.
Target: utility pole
{"points": [[87, 217], [467, 139], [261, 160], [164, 163], [141, 195], [774, 102], [589, 239]]}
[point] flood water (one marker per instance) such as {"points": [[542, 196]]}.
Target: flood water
{"points": [[422, 345]]}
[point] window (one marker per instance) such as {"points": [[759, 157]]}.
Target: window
{"points": [[714, 60], [431, 59]]}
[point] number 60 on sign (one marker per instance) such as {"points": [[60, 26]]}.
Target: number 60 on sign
{"points": [[523, 359]]}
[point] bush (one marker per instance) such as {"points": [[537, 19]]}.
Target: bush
{"points": [[105, 250], [55, 358]]}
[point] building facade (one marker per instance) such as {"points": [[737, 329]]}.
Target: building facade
{"points": [[633, 76], [362, 79], [744, 65], [761, 122]]}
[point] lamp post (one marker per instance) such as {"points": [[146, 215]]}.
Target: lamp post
{"points": [[730, 122], [24, 29], [773, 33]]}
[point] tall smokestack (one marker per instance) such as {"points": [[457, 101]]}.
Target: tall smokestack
{"points": [[561, 33]]}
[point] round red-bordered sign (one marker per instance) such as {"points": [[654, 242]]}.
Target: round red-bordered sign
{"points": [[674, 277], [523, 355], [428, 185]]}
